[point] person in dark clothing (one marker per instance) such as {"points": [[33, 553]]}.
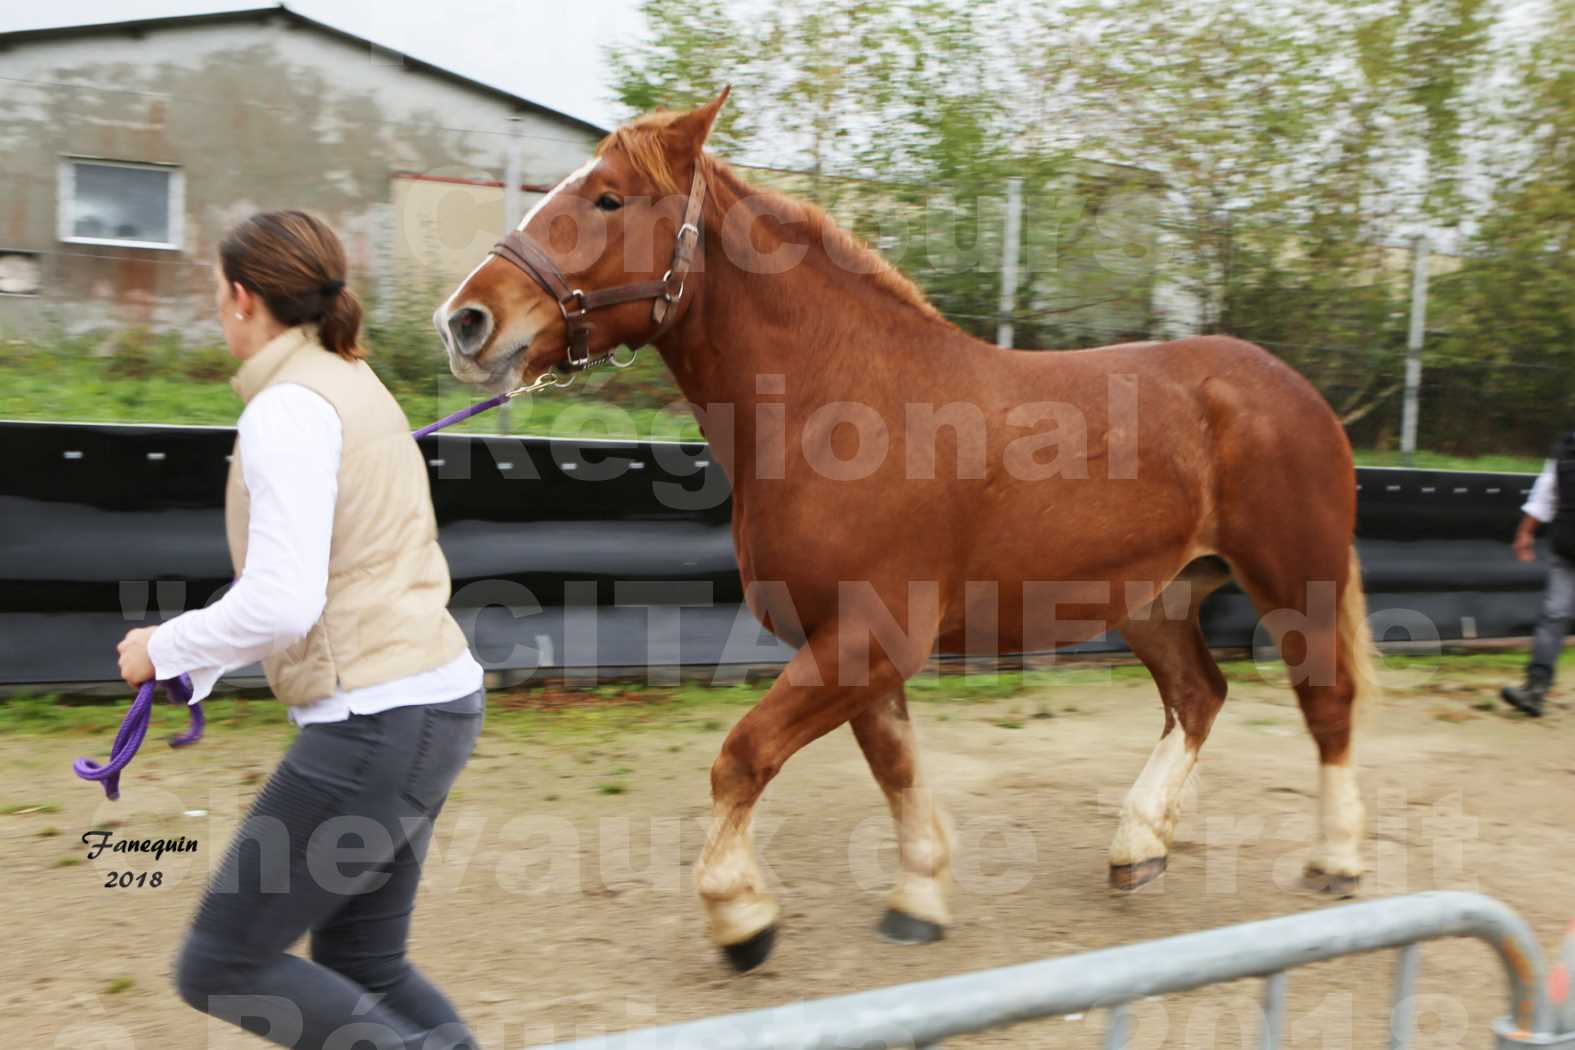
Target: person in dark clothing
{"points": [[1552, 500]]}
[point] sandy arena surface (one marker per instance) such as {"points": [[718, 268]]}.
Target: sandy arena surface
{"points": [[558, 901]]}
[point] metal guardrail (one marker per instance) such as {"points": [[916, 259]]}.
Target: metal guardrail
{"points": [[925, 1013]]}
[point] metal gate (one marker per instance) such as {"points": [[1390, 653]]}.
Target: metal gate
{"points": [[926, 1013]]}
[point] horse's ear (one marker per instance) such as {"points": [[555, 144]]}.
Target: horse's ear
{"points": [[692, 129]]}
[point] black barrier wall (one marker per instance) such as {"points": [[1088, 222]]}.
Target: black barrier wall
{"points": [[592, 554]]}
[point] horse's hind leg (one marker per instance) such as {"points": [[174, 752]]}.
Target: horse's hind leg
{"points": [[918, 912], [1165, 635], [1317, 616]]}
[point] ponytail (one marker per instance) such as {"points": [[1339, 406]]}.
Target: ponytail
{"points": [[340, 327], [296, 264]]}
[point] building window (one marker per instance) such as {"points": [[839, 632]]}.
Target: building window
{"points": [[19, 273], [111, 202]]}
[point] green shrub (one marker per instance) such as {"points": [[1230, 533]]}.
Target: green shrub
{"points": [[136, 353], [406, 357], [208, 364], [18, 352]]}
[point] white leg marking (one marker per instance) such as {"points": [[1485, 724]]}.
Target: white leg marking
{"points": [[925, 872], [1153, 805], [924, 849], [730, 884], [1343, 818]]}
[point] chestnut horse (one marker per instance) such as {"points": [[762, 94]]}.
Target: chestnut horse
{"points": [[901, 488]]}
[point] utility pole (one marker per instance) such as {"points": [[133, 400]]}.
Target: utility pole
{"points": [[1010, 238], [513, 176], [1413, 354]]}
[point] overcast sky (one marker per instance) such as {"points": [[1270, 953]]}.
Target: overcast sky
{"points": [[549, 52]]}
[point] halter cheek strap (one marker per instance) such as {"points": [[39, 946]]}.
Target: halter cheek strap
{"points": [[575, 305]]}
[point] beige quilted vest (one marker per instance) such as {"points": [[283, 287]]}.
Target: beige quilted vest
{"points": [[388, 584]]}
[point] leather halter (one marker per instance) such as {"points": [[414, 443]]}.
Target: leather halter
{"points": [[575, 305]]}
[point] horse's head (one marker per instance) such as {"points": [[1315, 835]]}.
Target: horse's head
{"points": [[600, 262]]}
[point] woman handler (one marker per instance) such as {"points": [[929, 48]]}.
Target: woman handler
{"points": [[342, 593]]}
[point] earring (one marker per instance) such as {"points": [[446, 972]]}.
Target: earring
{"points": [[240, 316]]}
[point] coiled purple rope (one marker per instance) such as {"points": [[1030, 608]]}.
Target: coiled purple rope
{"points": [[134, 728]]}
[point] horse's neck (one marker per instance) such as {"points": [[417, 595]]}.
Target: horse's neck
{"points": [[807, 333]]}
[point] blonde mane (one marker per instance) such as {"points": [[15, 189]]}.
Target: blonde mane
{"points": [[642, 142]]}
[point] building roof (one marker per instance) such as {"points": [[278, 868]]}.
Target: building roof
{"points": [[136, 27]]}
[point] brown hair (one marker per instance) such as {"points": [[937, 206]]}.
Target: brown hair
{"points": [[296, 263]]}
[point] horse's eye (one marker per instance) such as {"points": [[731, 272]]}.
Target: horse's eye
{"points": [[607, 202]]}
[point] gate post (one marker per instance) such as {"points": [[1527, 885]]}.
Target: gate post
{"points": [[1561, 1007]]}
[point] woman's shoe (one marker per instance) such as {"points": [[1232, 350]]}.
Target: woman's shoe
{"points": [[1527, 698]]}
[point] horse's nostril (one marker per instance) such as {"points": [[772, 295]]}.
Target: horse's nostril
{"points": [[470, 327]]}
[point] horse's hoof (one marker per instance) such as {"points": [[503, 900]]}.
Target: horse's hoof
{"points": [[1340, 887], [902, 928], [746, 955], [1129, 877], [1343, 887]]}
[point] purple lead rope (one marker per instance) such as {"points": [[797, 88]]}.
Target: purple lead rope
{"points": [[546, 379], [462, 415], [134, 728]]}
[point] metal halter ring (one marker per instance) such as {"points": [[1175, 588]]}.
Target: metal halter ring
{"points": [[668, 294]]}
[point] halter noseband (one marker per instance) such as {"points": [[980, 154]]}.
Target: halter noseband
{"points": [[574, 304]]}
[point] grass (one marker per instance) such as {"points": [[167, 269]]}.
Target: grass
{"points": [[47, 714], [148, 379], [602, 713], [118, 985], [136, 376], [1491, 463]]}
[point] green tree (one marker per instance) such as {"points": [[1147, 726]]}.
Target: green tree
{"points": [[882, 111], [1279, 158], [1293, 144], [1512, 305]]}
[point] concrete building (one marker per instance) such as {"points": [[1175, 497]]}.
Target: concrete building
{"points": [[127, 149]]}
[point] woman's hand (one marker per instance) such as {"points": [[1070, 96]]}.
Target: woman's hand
{"points": [[1525, 544], [135, 665]]}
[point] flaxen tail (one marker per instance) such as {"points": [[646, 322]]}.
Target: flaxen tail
{"points": [[1358, 656]]}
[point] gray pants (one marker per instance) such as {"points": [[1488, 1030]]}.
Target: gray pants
{"points": [[1558, 603], [333, 848]]}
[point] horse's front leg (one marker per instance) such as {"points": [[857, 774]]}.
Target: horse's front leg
{"points": [[824, 685], [918, 913]]}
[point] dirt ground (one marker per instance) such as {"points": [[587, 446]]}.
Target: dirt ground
{"points": [[558, 902]]}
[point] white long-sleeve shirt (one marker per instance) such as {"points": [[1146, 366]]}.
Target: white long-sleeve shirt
{"points": [[290, 441], [1543, 502]]}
